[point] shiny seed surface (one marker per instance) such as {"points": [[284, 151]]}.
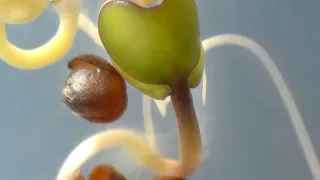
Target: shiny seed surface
{"points": [[95, 90]]}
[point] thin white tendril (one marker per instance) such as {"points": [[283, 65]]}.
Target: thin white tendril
{"points": [[204, 86], [86, 24], [126, 138], [147, 116], [284, 91]]}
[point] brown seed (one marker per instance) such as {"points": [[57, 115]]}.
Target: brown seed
{"points": [[106, 172], [95, 90], [169, 178]]}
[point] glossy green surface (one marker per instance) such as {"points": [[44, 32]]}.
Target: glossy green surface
{"points": [[194, 78], [154, 46]]}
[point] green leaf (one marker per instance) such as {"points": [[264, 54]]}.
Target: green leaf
{"points": [[158, 45]]}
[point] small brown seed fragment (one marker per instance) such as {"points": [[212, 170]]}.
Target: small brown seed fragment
{"points": [[169, 178], [106, 172]]}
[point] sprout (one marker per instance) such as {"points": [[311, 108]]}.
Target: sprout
{"points": [[101, 141], [171, 78], [56, 48], [21, 11], [162, 46]]}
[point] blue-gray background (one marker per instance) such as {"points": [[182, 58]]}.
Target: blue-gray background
{"points": [[247, 132]]}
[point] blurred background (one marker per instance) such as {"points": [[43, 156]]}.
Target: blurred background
{"points": [[246, 129]]}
